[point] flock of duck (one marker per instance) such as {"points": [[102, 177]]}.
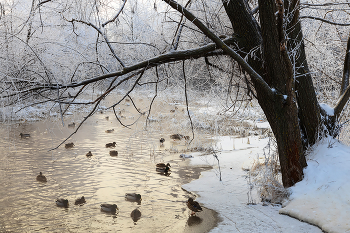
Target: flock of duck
{"points": [[113, 208]]}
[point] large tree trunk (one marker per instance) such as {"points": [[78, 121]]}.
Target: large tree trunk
{"points": [[309, 110], [276, 70], [282, 112]]}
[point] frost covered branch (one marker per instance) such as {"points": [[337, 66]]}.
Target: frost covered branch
{"points": [[116, 16], [221, 45], [102, 34], [324, 20], [155, 61]]}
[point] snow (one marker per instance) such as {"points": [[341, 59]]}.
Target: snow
{"points": [[329, 110], [321, 198]]}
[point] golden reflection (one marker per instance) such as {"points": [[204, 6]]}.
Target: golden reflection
{"points": [[104, 177]]}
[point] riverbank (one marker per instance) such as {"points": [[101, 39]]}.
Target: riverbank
{"points": [[230, 197]]}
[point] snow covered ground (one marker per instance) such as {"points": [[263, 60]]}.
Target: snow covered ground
{"points": [[322, 198]]}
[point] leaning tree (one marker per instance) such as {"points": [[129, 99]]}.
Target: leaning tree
{"points": [[265, 41]]}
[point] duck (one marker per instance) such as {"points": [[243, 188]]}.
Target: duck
{"points": [[113, 153], [41, 177], [24, 135], [111, 144], [176, 136], [89, 154], [72, 125], [162, 140], [111, 208], [163, 165], [194, 206], [133, 197], [69, 145], [107, 118], [62, 202], [80, 201], [163, 169], [109, 130]]}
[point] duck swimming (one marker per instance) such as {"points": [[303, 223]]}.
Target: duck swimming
{"points": [[163, 165], [41, 177], [69, 145], [89, 154], [194, 206], [162, 140], [109, 130], [133, 197], [111, 208], [176, 136], [24, 135], [164, 170], [62, 203], [111, 144], [72, 125], [80, 201]]}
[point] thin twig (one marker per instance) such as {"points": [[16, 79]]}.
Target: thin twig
{"points": [[154, 97], [188, 111], [116, 16]]}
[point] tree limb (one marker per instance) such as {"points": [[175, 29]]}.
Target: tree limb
{"points": [[324, 20], [161, 59], [221, 45], [116, 16]]}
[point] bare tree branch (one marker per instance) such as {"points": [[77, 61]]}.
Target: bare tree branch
{"points": [[221, 45], [161, 59], [116, 16], [188, 111], [102, 34], [324, 20]]}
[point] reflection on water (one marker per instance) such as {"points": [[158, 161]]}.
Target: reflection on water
{"points": [[28, 205], [135, 215], [194, 220]]}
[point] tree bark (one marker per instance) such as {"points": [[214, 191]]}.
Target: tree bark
{"points": [[309, 110], [281, 112]]}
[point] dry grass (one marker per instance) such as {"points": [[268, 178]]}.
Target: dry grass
{"points": [[266, 176]]}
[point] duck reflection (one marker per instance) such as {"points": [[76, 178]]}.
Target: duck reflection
{"points": [[135, 215], [194, 220]]}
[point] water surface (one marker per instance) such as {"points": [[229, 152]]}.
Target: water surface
{"points": [[29, 206]]}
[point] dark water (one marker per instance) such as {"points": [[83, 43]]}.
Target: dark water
{"points": [[27, 205]]}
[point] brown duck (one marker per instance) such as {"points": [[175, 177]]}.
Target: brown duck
{"points": [[194, 206], [176, 136], [89, 154], [41, 177], [163, 165], [111, 144], [69, 145], [80, 201]]}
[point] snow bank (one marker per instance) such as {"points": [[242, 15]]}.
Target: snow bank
{"points": [[229, 197], [322, 198]]}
